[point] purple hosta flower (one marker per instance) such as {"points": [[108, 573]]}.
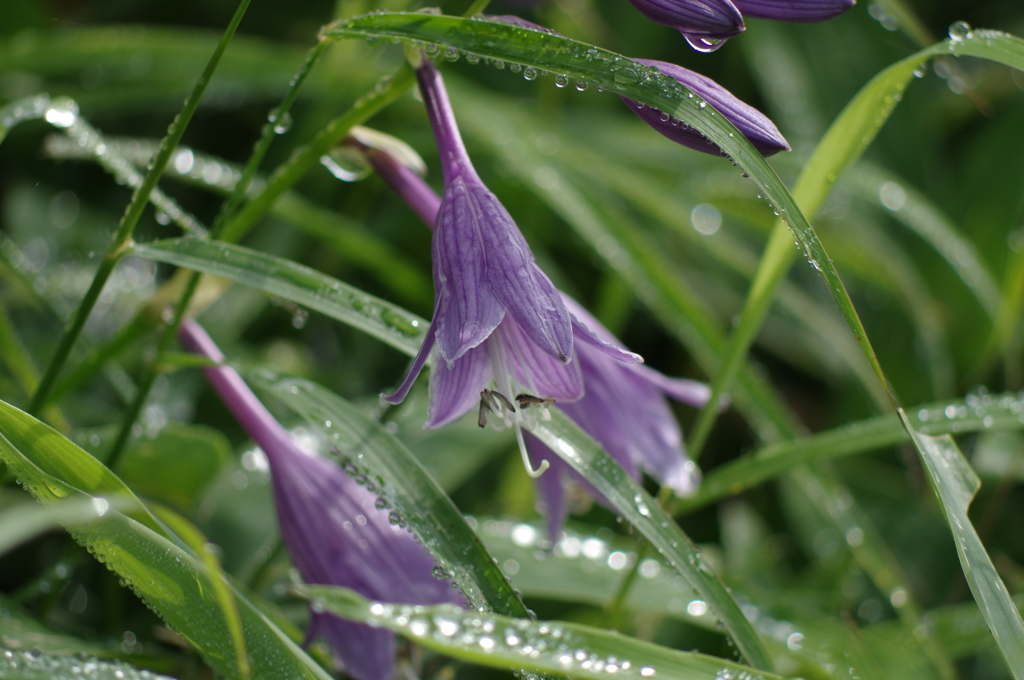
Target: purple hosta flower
{"points": [[706, 24], [332, 526], [497, 316], [624, 406], [625, 411], [754, 125]]}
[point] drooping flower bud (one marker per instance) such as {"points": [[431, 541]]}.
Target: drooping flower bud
{"points": [[754, 125], [706, 24]]}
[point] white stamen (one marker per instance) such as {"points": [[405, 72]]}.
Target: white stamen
{"points": [[512, 417]]}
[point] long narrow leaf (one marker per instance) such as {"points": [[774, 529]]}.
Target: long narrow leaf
{"points": [[377, 457], [576, 448], [295, 282], [955, 484], [975, 414], [543, 646], [176, 585]]}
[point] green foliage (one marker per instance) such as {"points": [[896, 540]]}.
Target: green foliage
{"points": [[813, 548]]}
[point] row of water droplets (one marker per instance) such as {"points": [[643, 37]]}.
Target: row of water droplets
{"points": [[979, 410], [537, 644], [354, 465], [593, 555], [86, 141], [338, 299], [28, 665]]}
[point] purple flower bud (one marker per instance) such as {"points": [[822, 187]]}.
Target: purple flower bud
{"points": [[754, 125], [796, 11], [706, 24], [335, 531]]}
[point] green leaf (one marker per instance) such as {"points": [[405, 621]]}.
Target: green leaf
{"points": [[277, 276], [546, 647], [221, 591], [978, 413], [26, 665], [170, 580], [22, 522], [955, 484], [377, 457], [577, 449]]}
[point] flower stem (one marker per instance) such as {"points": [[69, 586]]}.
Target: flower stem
{"points": [[228, 208], [123, 236]]}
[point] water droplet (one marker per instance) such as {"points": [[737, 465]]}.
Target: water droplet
{"points": [[432, 49], [281, 123], [515, 68], [530, 73], [561, 81], [451, 53], [472, 59], [581, 85], [959, 31], [647, 672]]}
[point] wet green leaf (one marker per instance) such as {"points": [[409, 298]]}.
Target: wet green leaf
{"points": [[277, 276], [630, 499], [552, 647], [366, 448], [955, 484], [170, 580]]}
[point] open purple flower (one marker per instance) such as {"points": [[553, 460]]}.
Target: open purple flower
{"points": [[754, 125], [707, 24], [624, 406], [333, 529], [497, 316], [625, 411]]}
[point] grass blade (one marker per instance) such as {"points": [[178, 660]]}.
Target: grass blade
{"points": [[546, 647], [955, 485], [368, 449], [278, 276], [574, 446]]}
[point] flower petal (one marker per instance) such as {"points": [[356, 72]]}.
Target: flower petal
{"points": [[714, 18], [798, 11], [692, 392], [455, 389], [398, 396], [526, 292], [467, 310], [656, 440], [754, 125], [588, 329], [537, 369], [368, 653], [610, 350]]}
